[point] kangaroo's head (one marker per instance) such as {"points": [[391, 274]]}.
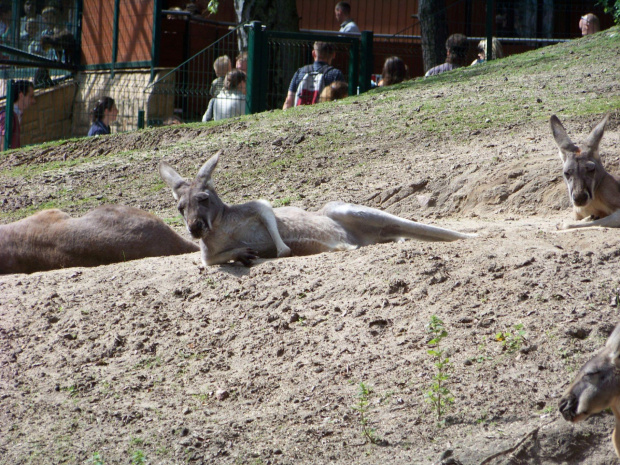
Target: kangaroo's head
{"points": [[197, 201], [597, 385], [583, 169]]}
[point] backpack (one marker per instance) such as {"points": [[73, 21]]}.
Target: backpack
{"points": [[311, 85]]}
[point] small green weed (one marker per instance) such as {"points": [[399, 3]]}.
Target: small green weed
{"points": [[96, 459], [439, 395], [512, 341], [138, 458], [362, 408]]}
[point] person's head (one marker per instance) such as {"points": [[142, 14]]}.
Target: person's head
{"points": [[32, 27], [23, 94], [343, 11], [394, 71], [242, 62], [323, 51], [235, 80], [171, 121], [589, 24], [336, 90], [50, 16], [456, 46], [104, 110], [30, 8], [496, 52], [221, 65]]}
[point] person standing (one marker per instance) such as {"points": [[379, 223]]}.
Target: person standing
{"points": [[23, 98], [343, 16], [323, 53], [104, 113]]}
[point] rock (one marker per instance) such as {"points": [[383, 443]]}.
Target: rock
{"points": [[222, 394]]}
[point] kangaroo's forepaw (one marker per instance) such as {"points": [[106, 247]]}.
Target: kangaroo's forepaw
{"points": [[247, 257], [284, 252]]}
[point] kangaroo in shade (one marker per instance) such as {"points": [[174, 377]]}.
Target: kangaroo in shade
{"points": [[251, 230], [596, 387], [594, 193], [52, 239]]}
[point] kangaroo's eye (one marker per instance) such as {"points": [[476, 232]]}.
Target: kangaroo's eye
{"points": [[567, 174], [181, 209]]}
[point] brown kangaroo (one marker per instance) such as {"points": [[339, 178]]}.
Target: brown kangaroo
{"points": [[255, 229], [596, 387], [51, 239], [594, 192]]}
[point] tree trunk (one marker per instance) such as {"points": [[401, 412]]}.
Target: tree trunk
{"points": [[434, 32], [277, 15]]}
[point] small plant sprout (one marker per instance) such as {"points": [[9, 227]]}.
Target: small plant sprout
{"points": [[512, 341], [362, 407], [96, 459], [438, 395]]}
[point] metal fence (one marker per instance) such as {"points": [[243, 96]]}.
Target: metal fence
{"points": [[159, 95]]}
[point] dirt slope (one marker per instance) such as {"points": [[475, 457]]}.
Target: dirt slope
{"points": [[162, 361]]}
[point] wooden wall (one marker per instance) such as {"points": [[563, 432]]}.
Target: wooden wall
{"points": [[135, 31]]}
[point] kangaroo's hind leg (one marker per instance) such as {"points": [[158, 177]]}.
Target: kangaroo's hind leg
{"points": [[370, 226]]}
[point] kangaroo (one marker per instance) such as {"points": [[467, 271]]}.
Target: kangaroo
{"points": [[596, 387], [251, 230], [594, 192], [51, 239]]}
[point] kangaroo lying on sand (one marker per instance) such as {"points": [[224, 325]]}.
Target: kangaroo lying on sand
{"points": [[51, 239], [594, 192], [596, 387], [254, 229]]}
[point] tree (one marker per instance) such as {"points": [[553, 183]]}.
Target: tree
{"points": [[612, 7], [277, 15], [434, 32]]}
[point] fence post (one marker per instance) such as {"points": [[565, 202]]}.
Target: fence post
{"points": [[140, 119], [354, 53], [256, 88], [489, 31], [8, 115], [366, 66]]}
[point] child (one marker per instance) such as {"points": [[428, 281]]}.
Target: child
{"points": [[221, 66]]}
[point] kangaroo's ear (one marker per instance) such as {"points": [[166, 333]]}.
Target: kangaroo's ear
{"points": [[561, 138], [595, 136], [203, 177], [613, 342], [171, 178]]}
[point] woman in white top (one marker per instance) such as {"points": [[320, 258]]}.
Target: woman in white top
{"points": [[230, 101]]}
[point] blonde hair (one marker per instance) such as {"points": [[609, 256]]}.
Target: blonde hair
{"points": [[496, 52], [221, 65]]}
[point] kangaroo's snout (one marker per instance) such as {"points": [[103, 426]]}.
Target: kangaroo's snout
{"points": [[197, 228], [568, 407], [581, 198]]}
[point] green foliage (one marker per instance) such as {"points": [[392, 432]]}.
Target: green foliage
{"points": [[362, 407], [213, 6], [439, 396], [611, 7], [512, 341], [138, 458]]}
